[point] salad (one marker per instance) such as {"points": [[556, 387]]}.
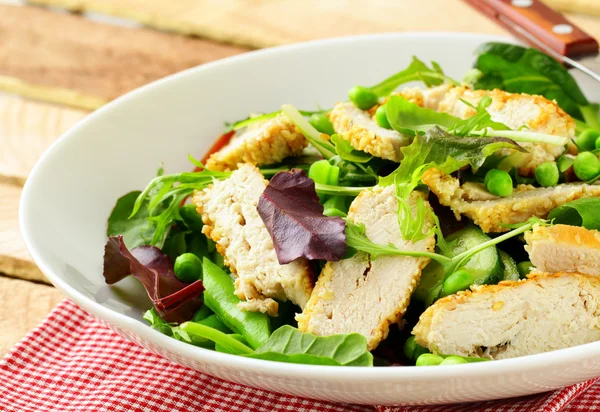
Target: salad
{"points": [[452, 222]]}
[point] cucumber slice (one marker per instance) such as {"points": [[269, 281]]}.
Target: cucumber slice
{"points": [[485, 266], [510, 266]]}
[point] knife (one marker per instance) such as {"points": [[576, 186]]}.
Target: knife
{"points": [[548, 30]]}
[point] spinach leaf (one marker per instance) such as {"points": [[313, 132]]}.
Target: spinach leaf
{"points": [[406, 117], [580, 212], [288, 344], [136, 231], [526, 70]]}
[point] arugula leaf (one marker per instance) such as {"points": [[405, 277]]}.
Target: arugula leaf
{"points": [[169, 329], [416, 70], [357, 240], [482, 120], [288, 344], [580, 212], [526, 70], [407, 117], [137, 230], [411, 119], [446, 152], [164, 195]]}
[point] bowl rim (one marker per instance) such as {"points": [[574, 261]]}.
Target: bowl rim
{"points": [[557, 358]]}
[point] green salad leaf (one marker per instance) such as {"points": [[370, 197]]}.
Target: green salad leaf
{"points": [[407, 117], [137, 230], [357, 240], [288, 344], [446, 152], [581, 212], [416, 71], [346, 152], [526, 70], [164, 195]]}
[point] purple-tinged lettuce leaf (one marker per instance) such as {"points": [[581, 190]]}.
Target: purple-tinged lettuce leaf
{"points": [[174, 300], [291, 211]]}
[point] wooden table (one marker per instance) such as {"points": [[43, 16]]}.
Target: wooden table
{"points": [[50, 61]]}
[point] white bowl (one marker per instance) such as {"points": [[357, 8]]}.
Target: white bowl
{"points": [[118, 148]]}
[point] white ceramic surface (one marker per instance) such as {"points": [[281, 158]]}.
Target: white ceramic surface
{"points": [[118, 148]]}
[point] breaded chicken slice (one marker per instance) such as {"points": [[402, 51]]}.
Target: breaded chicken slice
{"points": [[363, 295], [514, 318], [563, 248], [491, 213], [515, 110], [228, 209], [261, 143], [360, 129]]}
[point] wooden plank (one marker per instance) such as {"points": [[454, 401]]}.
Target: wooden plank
{"points": [[69, 60], [262, 23], [27, 128], [14, 258], [23, 305]]}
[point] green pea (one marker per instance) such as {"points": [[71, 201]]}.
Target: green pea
{"points": [[525, 268], [547, 174], [457, 281], [363, 97], [335, 206], [321, 122], [323, 172], [564, 163], [499, 183], [453, 360], [429, 359], [586, 166], [381, 117], [188, 267], [587, 139], [191, 217], [412, 350], [597, 144]]}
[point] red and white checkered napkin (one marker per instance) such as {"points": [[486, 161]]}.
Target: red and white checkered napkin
{"points": [[71, 362]]}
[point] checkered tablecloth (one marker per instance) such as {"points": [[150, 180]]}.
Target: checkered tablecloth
{"points": [[71, 362]]}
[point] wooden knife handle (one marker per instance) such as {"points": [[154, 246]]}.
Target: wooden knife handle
{"points": [[540, 21]]}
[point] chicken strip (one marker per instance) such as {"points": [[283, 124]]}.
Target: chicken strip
{"points": [[228, 210], [262, 143], [515, 110], [514, 318], [360, 129], [363, 295], [490, 214], [563, 248]]}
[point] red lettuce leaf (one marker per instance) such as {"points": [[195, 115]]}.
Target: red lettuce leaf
{"points": [[291, 211], [175, 300]]}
